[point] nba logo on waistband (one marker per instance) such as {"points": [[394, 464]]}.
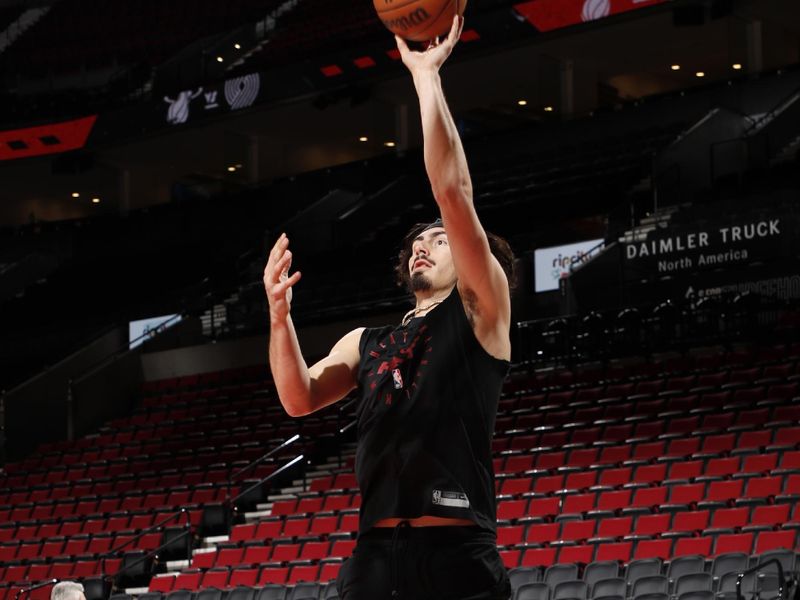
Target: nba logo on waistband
{"points": [[398, 379]]}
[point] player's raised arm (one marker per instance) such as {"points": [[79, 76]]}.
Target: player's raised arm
{"points": [[302, 390], [481, 279]]}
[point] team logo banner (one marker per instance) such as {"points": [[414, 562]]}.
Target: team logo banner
{"points": [[235, 94], [548, 15]]}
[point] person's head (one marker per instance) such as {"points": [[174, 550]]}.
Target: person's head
{"points": [[425, 264], [67, 590]]}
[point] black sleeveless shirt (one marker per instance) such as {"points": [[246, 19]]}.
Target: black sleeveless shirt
{"points": [[427, 407]]}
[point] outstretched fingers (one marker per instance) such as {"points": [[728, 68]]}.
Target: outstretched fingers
{"points": [[279, 290]]}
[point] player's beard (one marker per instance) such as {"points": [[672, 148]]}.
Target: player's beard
{"points": [[420, 283]]}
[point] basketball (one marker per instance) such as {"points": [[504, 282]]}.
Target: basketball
{"points": [[419, 20]]}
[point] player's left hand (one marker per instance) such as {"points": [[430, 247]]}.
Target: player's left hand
{"points": [[433, 57]]}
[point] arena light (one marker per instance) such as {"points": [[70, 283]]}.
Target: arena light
{"points": [[389, 144], [231, 169], [363, 138], [548, 109], [237, 46], [522, 102], [737, 66], [76, 195], [219, 59], [95, 200], [675, 67]]}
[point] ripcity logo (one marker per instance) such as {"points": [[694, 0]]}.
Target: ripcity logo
{"points": [[241, 92]]}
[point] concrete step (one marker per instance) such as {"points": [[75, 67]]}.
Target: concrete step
{"points": [[256, 515], [177, 565], [137, 591]]}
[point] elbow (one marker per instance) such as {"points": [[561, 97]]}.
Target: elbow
{"points": [[296, 407]]}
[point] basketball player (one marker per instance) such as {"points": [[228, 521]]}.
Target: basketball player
{"points": [[428, 386]]}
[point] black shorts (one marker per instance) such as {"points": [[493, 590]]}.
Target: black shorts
{"points": [[424, 563]]}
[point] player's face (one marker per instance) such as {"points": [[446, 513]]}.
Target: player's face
{"points": [[431, 263]]}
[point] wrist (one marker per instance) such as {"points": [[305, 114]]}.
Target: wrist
{"points": [[425, 76]]}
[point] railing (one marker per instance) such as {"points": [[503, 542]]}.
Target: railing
{"points": [[652, 328], [28, 590], [781, 578]]}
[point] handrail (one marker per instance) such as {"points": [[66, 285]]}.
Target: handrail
{"points": [[781, 578], [290, 464], [36, 586], [144, 532], [148, 555], [778, 107], [261, 459], [179, 316]]}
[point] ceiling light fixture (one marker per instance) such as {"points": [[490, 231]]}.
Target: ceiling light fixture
{"points": [[389, 144], [675, 67], [700, 74], [219, 59], [522, 102], [95, 200], [237, 46], [76, 195], [231, 169], [548, 109], [363, 138], [737, 66]]}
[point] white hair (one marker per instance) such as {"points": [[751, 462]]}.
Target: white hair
{"points": [[67, 590]]}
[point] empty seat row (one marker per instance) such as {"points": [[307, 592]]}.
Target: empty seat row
{"points": [[644, 474], [677, 448], [278, 553], [679, 524], [319, 526], [674, 498], [223, 578], [740, 491], [663, 548]]}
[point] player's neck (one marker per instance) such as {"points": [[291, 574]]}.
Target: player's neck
{"points": [[430, 298]]}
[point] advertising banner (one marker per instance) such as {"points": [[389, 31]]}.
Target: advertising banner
{"points": [[554, 263]]}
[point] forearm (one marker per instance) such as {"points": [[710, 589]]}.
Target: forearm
{"points": [[289, 369], [445, 161]]}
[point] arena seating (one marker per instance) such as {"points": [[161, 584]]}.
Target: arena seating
{"points": [[649, 477]]}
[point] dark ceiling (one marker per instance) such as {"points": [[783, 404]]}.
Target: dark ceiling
{"points": [[614, 61]]}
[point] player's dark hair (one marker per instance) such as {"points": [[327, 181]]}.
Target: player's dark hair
{"points": [[498, 246]]}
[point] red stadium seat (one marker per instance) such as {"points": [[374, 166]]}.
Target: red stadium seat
{"points": [[578, 503], [620, 551], [543, 533], [735, 542], [243, 577], [285, 552], [214, 578], [577, 531], [539, 557], [301, 573], [648, 498], [342, 548], [510, 558], [162, 583], [695, 545], [660, 548], [690, 521], [652, 525], [256, 555], [583, 554], [511, 536], [686, 470], [329, 571], [273, 575], [229, 557], [774, 540]]}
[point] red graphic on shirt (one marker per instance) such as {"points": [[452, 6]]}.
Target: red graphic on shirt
{"points": [[399, 350]]}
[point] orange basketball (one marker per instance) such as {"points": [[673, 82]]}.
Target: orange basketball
{"points": [[419, 20]]}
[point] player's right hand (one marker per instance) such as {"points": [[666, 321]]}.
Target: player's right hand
{"points": [[277, 282]]}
